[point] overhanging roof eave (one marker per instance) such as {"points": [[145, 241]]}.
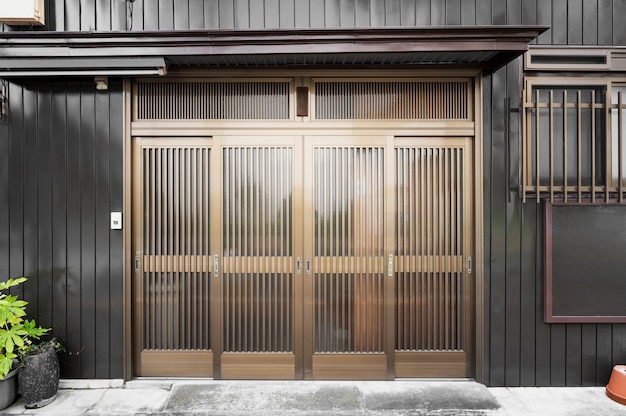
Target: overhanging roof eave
{"points": [[47, 47]]}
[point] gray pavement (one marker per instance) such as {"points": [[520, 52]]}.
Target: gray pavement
{"points": [[402, 397]]}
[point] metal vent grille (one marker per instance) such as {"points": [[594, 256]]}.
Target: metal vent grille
{"points": [[396, 100], [212, 100]]}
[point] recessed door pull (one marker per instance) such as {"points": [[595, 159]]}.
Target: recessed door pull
{"points": [[308, 266], [298, 265], [390, 266], [216, 266]]}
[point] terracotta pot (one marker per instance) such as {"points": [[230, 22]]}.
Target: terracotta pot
{"points": [[39, 378], [616, 389]]}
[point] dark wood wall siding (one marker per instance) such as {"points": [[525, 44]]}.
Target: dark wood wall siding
{"points": [[60, 176], [574, 22], [522, 350]]}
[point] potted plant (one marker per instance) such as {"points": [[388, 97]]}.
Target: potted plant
{"points": [[8, 386], [16, 343], [38, 374]]}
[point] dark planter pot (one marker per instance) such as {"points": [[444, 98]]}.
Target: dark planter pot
{"points": [[8, 388], [39, 378]]}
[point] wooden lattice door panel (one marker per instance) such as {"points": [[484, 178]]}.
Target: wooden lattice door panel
{"points": [[432, 229], [260, 317], [309, 257], [172, 240], [346, 270]]}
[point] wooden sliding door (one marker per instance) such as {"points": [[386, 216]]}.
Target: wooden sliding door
{"points": [[261, 294], [433, 234], [348, 292], [174, 237]]}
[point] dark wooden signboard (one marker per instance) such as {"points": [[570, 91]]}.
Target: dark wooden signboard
{"points": [[585, 263]]}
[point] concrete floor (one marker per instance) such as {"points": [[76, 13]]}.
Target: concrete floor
{"points": [[406, 397]]}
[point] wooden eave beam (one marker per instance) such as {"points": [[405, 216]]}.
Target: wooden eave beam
{"points": [[507, 41]]}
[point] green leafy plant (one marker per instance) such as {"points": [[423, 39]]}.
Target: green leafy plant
{"points": [[16, 332]]}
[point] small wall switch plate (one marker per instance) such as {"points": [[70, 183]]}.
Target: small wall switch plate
{"points": [[116, 220]]}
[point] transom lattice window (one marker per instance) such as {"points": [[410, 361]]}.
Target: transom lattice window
{"points": [[212, 100], [446, 99], [573, 139]]}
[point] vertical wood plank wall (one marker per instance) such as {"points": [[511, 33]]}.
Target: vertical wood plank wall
{"points": [[60, 176], [574, 22], [55, 195]]}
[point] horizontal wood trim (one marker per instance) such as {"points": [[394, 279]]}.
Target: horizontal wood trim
{"points": [[197, 128], [174, 264], [349, 366], [431, 364], [572, 189], [446, 264], [258, 264], [177, 363], [348, 265], [252, 366], [402, 264]]}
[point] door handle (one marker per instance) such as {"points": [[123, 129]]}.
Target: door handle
{"points": [[390, 266], [298, 265], [308, 266], [216, 266]]}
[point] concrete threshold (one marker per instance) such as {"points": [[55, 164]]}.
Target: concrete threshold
{"points": [[207, 397], [337, 398]]}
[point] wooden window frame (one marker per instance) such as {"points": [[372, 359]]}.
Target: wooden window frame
{"points": [[549, 295], [465, 107], [610, 189], [574, 58]]}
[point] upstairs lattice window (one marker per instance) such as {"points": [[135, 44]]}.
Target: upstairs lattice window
{"points": [[573, 139]]}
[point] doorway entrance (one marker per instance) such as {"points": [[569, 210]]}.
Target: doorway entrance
{"points": [[302, 254]]}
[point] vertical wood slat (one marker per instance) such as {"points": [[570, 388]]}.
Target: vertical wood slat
{"points": [[579, 149], [593, 147], [551, 133], [428, 194], [460, 250], [257, 292], [620, 137], [537, 145], [527, 128], [607, 134], [176, 289], [565, 136]]}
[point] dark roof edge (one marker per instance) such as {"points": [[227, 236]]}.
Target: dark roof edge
{"points": [[431, 34], [511, 40]]}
